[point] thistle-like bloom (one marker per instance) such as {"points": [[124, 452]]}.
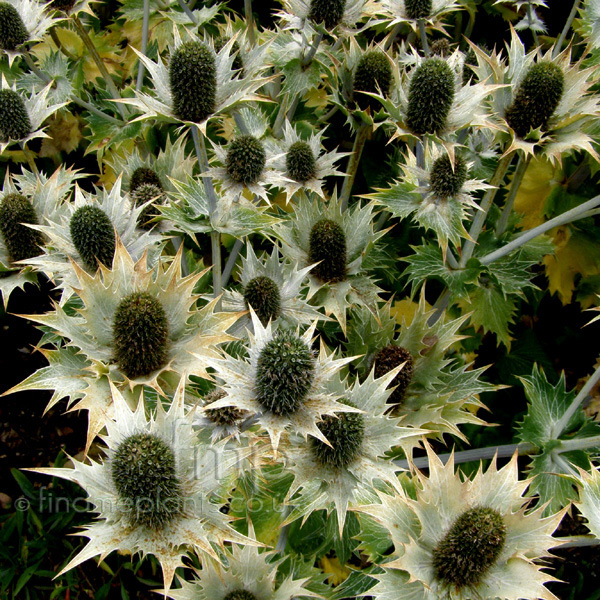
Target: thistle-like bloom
{"points": [[339, 241], [249, 575], [272, 289], [223, 422], [304, 163], [411, 11], [73, 7], [155, 490], [197, 85], [474, 538], [21, 116], [335, 475], [281, 381]]}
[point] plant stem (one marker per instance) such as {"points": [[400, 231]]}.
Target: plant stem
{"points": [[235, 251], [583, 393], [40, 74], [30, 159], [579, 212], [520, 171], [96, 111], [306, 59], [145, 26], [439, 307], [486, 204], [239, 121], [280, 118], [110, 84], [59, 45], [563, 34], [393, 35], [530, 21], [423, 35], [249, 20], [187, 11], [578, 444], [330, 114], [359, 143], [283, 533]]}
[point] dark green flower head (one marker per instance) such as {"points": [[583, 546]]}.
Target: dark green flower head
{"points": [[144, 175], [240, 595], [225, 415], [262, 294], [300, 162], [246, 159], [441, 48], [430, 96], [21, 242], [14, 118], [389, 358], [140, 335], [537, 98], [144, 473], [345, 432], [418, 9], [93, 236], [445, 181], [471, 546], [284, 373], [145, 193], [373, 74], [327, 246], [327, 12], [13, 32], [65, 5], [235, 47], [193, 79], [469, 62]]}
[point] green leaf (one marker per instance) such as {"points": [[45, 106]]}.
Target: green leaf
{"points": [[512, 272], [375, 538], [357, 584], [24, 483], [106, 134], [300, 79]]}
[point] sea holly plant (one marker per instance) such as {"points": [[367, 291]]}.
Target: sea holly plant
{"points": [[293, 265]]}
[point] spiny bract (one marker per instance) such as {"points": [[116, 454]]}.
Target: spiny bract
{"points": [[20, 241], [373, 74], [262, 294], [345, 433], [13, 32], [238, 64], [388, 358], [300, 162], [145, 193], [284, 373], [143, 470], [144, 175], [418, 9], [446, 182], [140, 335], [430, 96], [193, 79], [93, 235], [328, 12], [327, 246], [470, 548], [537, 98], [14, 118], [223, 416], [245, 160]]}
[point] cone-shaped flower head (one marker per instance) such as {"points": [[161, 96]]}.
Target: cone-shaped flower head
{"points": [[537, 98], [143, 472], [327, 12], [388, 358], [144, 175], [93, 236], [20, 241], [441, 48], [373, 74], [14, 119], [246, 159], [141, 335], [193, 81], [65, 5], [430, 96], [226, 416], [147, 192], [418, 9], [300, 162], [262, 294], [345, 432], [327, 246], [12, 29], [470, 547], [446, 180], [284, 374]]}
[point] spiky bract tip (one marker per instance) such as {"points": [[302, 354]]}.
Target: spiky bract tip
{"points": [[246, 159], [445, 181], [13, 32], [140, 335], [470, 547], [93, 236], [418, 9], [327, 12], [238, 63], [193, 79], [145, 193], [21, 242], [388, 358], [327, 246], [225, 415], [373, 74], [430, 96], [143, 471], [284, 374], [536, 99], [144, 175], [15, 123], [262, 294], [300, 162]]}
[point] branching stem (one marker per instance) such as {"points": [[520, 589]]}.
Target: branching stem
{"points": [[563, 33], [249, 20], [359, 143], [423, 36], [517, 179], [187, 11], [578, 444], [145, 27]]}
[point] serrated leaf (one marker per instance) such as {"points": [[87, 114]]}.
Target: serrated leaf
{"points": [[300, 79], [375, 540], [589, 503], [106, 134], [512, 272]]}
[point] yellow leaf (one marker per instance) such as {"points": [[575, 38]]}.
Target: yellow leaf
{"points": [[65, 134], [336, 573], [316, 98], [405, 309]]}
